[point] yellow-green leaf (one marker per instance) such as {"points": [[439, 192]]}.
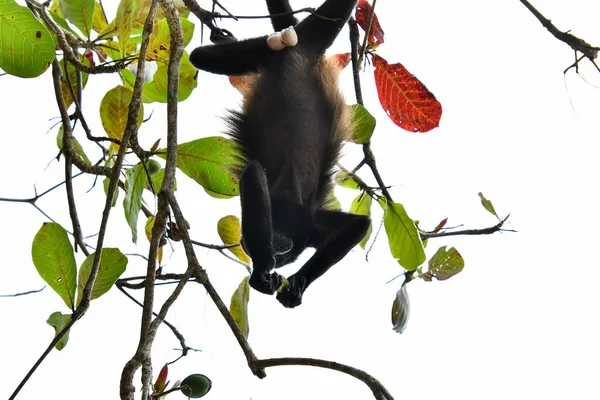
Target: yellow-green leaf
{"points": [[53, 257], [444, 264], [79, 13], [26, 46], [363, 124], [59, 321], [114, 109], [76, 146], [404, 240], [112, 265], [361, 205], [156, 90], [239, 306], [229, 229], [487, 205], [99, 21], [136, 179], [345, 180]]}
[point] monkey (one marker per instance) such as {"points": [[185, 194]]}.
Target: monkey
{"points": [[290, 132]]}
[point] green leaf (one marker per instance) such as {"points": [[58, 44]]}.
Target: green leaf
{"points": [[157, 180], [124, 23], [59, 322], [76, 145], [401, 310], [105, 183], [26, 46], [159, 47], [344, 179], [54, 260], [72, 79], [444, 265], [361, 205], [239, 306], [112, 265], [363, 124], [99, 21], [114, 110], [156, 90], [230, 232], [405, 243], [136, 179], [79, 13], [208, 161], [487, 205]]}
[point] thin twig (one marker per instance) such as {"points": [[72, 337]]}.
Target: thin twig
{"points": [[23, 293]]}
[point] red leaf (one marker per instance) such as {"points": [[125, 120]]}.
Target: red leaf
{"points": [[363, 10], [161, 381], [404, 98]]}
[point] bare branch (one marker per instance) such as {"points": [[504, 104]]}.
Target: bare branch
{"points": [[379, 391]]}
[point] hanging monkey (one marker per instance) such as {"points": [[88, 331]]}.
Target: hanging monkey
{"points": [[290, 131]]}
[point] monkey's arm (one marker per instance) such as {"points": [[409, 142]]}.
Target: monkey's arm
{"points": [[336, 233], [257, 228], [281, 7], [233, 58]]}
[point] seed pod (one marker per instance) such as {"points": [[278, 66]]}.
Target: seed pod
{"points": [[195, 386], [401, 310]]}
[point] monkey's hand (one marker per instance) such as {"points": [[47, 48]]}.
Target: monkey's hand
{"points": [[280, 40], [265, 282], [219, 36], [291, 295]]}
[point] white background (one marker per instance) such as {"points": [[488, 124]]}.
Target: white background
{"points": [[520, 322]]}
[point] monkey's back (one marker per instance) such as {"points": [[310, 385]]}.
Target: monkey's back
{"points": [[294, 122]]}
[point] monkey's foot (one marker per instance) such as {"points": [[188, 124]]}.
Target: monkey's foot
{"points": [[291, 295], [266, 283], [280, 40]]}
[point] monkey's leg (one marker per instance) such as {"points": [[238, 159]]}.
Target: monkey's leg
{"points": [[257, 228], [233, 58], [336, 233], [318, 31], [281, 7]]}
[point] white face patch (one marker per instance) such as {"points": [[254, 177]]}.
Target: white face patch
{"points": [[280, 40]]}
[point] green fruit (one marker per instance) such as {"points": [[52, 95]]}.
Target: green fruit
{"points": [[195, 386], [153, 166]]}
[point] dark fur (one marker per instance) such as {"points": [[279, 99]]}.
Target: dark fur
{"points": [[290, 131]]}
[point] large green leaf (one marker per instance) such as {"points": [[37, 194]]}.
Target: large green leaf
{"points": [[361, 205], [160, 41], [156, 90], [405, 243], [208, 161], [114, 110], [26, 46], [59, 321], [79, 13], [136, 179], [239, 306], [112, 265], [54, 260]]}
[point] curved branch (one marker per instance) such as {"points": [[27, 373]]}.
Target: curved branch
{"points": [[379, 391]]}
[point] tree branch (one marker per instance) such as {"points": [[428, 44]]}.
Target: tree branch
{"points": [[379, 391]]}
